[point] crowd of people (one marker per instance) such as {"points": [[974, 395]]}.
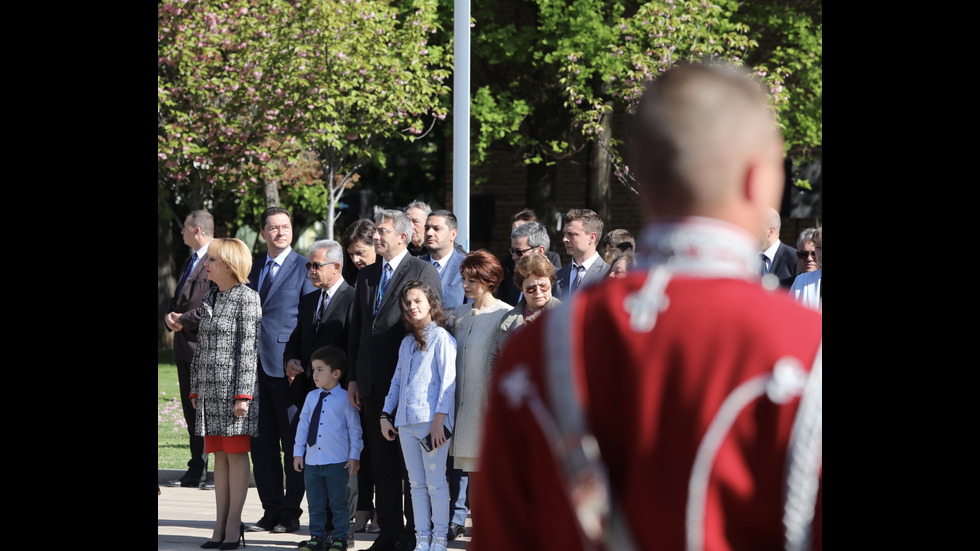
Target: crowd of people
{"points": [[394, 376]]}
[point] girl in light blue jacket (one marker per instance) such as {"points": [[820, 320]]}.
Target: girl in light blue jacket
{"points": [[419, 409]]}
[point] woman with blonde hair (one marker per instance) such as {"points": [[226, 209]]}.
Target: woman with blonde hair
{"points": [[224, 382]]}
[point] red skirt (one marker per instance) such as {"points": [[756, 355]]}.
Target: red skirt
{"points": [[228, 444]]}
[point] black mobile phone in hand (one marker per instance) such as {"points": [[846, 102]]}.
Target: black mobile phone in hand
{"points": [[427, 441]]}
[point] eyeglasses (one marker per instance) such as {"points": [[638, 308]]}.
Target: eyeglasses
{"points": [[382, 231], [316, 265], [802, 255], [279, 229], [531, 289], [520, 252]]}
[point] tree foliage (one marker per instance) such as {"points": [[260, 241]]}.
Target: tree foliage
{"points": [[597, 55], [368, 74], [254, 91]]}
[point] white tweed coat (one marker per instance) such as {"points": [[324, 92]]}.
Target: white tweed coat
{"points": [[226, 361]]}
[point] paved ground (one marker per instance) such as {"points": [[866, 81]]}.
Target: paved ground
{"points": [[185, 518]]}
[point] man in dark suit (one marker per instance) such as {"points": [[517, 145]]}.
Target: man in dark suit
{"points": [[281, 280], [183, 319], [324, 317], [780, 258], [525, 242], [332, 299], [583, 228], [376, 332]]}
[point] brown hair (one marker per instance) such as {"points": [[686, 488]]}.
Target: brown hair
{"points": [[534, 265], [361, 230], [333, 356], [526, 215], [591, 222], [483, 266], [436, 311]]}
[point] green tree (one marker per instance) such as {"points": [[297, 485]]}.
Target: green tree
{"points": [[596, 56], [365, 73], [214, 86]]}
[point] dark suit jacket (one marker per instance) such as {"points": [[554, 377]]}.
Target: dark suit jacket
{"points": [[303, 341], [508, 291], [372, 350], [188, 304], [594, 274], [784, 265], [280, 309]]}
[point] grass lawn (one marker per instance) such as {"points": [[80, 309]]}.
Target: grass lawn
{"points": [[173, 449], [173, 446]]}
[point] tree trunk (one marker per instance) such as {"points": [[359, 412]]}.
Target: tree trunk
{"points": [[166, 280], [541, 196], [271, 189], [598, 195]]}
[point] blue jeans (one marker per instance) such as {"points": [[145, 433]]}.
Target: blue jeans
{"points": [[325, 482], [427, 475]]}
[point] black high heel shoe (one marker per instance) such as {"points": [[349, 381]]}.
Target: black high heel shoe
{"points": [[234, 544]]}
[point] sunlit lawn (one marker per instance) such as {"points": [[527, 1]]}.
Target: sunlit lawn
{"points": [[173, 449]]}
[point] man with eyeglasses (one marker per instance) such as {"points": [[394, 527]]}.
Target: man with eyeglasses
{"points": [[280, 277], [376, 332], [806, 252], [526, 236], [324, 319]]}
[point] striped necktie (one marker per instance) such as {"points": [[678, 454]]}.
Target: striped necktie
{"points": [[267, 282], [385, 278], [324, 299]]}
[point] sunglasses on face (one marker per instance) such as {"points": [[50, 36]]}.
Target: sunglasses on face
{"points": [[531, 289], [802, 255]]}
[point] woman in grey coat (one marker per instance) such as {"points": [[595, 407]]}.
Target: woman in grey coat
{"points": [[535, 276], [224, 382]]}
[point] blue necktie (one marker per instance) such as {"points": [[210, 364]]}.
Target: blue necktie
{"points": [[187, 273], [267, 283], [315, 420], [385, 278], [765, 263]]}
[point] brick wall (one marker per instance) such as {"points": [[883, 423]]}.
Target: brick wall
{"points": [[506, 182]]}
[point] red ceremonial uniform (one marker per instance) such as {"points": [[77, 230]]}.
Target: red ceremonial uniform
{"points": [[652, 394]]}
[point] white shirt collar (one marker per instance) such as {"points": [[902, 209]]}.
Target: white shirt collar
{"points": [[333, 288], [202, 252], [588, 261], [279, 259], [771, 251], [394, 262]]}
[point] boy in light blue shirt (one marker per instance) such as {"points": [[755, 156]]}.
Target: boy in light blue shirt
{"points": [[327, 449]]}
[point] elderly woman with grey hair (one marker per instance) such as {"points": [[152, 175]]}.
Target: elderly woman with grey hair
{"points": [[806, 255]]}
